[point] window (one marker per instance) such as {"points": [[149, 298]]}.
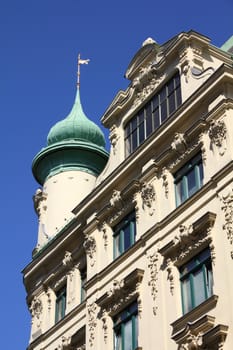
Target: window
{"points": [[126, 329], [124, 234], [196, 280], [188, 179], [153, 114], [60, 304], [83, 274]]}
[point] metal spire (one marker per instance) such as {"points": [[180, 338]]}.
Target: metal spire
{"points": [[80, 61]]}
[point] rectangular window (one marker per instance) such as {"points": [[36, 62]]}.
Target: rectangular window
{"points": [[83, 275], [188, 179], [153, 114], [60, 304], [196, 280], [126, 329], [124, 234]]}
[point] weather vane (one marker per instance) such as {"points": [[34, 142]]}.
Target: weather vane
{"points": [[80, 61]]}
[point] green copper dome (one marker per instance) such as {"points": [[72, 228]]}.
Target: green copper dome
{"points": [[73, 144], [76, 126]]}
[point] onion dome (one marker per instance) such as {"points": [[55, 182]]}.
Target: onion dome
{"points": [[76, 126], [74, 143]]}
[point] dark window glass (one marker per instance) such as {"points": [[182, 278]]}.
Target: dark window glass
{"points": [[153, 114], [196, 280], [124, 234], [188, 179], [60, 304], [126, 329]]}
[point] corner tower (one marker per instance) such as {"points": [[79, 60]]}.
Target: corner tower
{"points": [[66, 169]]}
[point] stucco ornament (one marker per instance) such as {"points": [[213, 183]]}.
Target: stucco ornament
{"points": [[148, 197], [67, 261], [164, 175], [179, 143], [114, 137], [39, 200], [227, 207], [65, 343], [36, 309], [92, 323], [116, 200], [217, 134], [192, 342], [153, 267], [90, 248]]}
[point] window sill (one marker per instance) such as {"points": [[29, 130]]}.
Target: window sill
{"points": [[194, 314]]}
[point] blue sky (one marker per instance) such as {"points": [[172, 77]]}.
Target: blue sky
{"points": [[39, 42]]}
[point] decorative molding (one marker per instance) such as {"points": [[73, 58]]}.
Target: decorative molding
{"points": [[227, 208], [60, 282], [104, 318], [164, 175], [190, 240], [179, 144], [39, 200], [107, 232], [122, 293], [90, 248], [201, 334], [65, 343], [217, 134], [116, 200], [114, 137], [153, 267], [36, 309], [170, 275], [146, 82], [92, 323], [148, 197], [67, 260], [174, 163]]}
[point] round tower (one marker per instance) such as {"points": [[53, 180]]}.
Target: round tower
{"points": [[67, 169]]}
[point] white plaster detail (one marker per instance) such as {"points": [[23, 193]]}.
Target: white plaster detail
{"points": [[179, 143], [227, 207], [114, 137], [217, 134], [153, 267], [90, 248], [36, 309], [148, 197], [92, 323], [164, 176]]}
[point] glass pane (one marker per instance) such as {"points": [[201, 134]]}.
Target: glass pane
{"points": [[117, 246], [156, 118], [209, 279], [180, 196], [170, 86], [127, 146], [192, 182], [178, 97], [200, 170], [141, 133], [171, 103], [198, 287], [127, 242], [163, 111], [128, 336], [134, 140], [186, 296], [118, 342]]}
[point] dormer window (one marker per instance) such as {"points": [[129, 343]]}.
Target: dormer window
{"points": [[153, 114]]}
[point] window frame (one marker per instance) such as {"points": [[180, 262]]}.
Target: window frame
{"points": [[192, 166], [153, 114], [202, 264], [120, 321], [120, 234], [60, 307]]}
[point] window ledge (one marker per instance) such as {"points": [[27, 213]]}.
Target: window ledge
{"points": [[194, 314]]}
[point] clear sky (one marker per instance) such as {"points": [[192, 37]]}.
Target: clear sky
{"points": [[39, 42]]}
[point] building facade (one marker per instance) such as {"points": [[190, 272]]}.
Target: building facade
{"points": [[135, 247]]}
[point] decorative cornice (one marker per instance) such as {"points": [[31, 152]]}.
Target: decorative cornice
{"points": [[190, 239], [121, 293]]}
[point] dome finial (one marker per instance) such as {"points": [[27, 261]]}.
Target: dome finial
{"points": [[80, 61]]}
